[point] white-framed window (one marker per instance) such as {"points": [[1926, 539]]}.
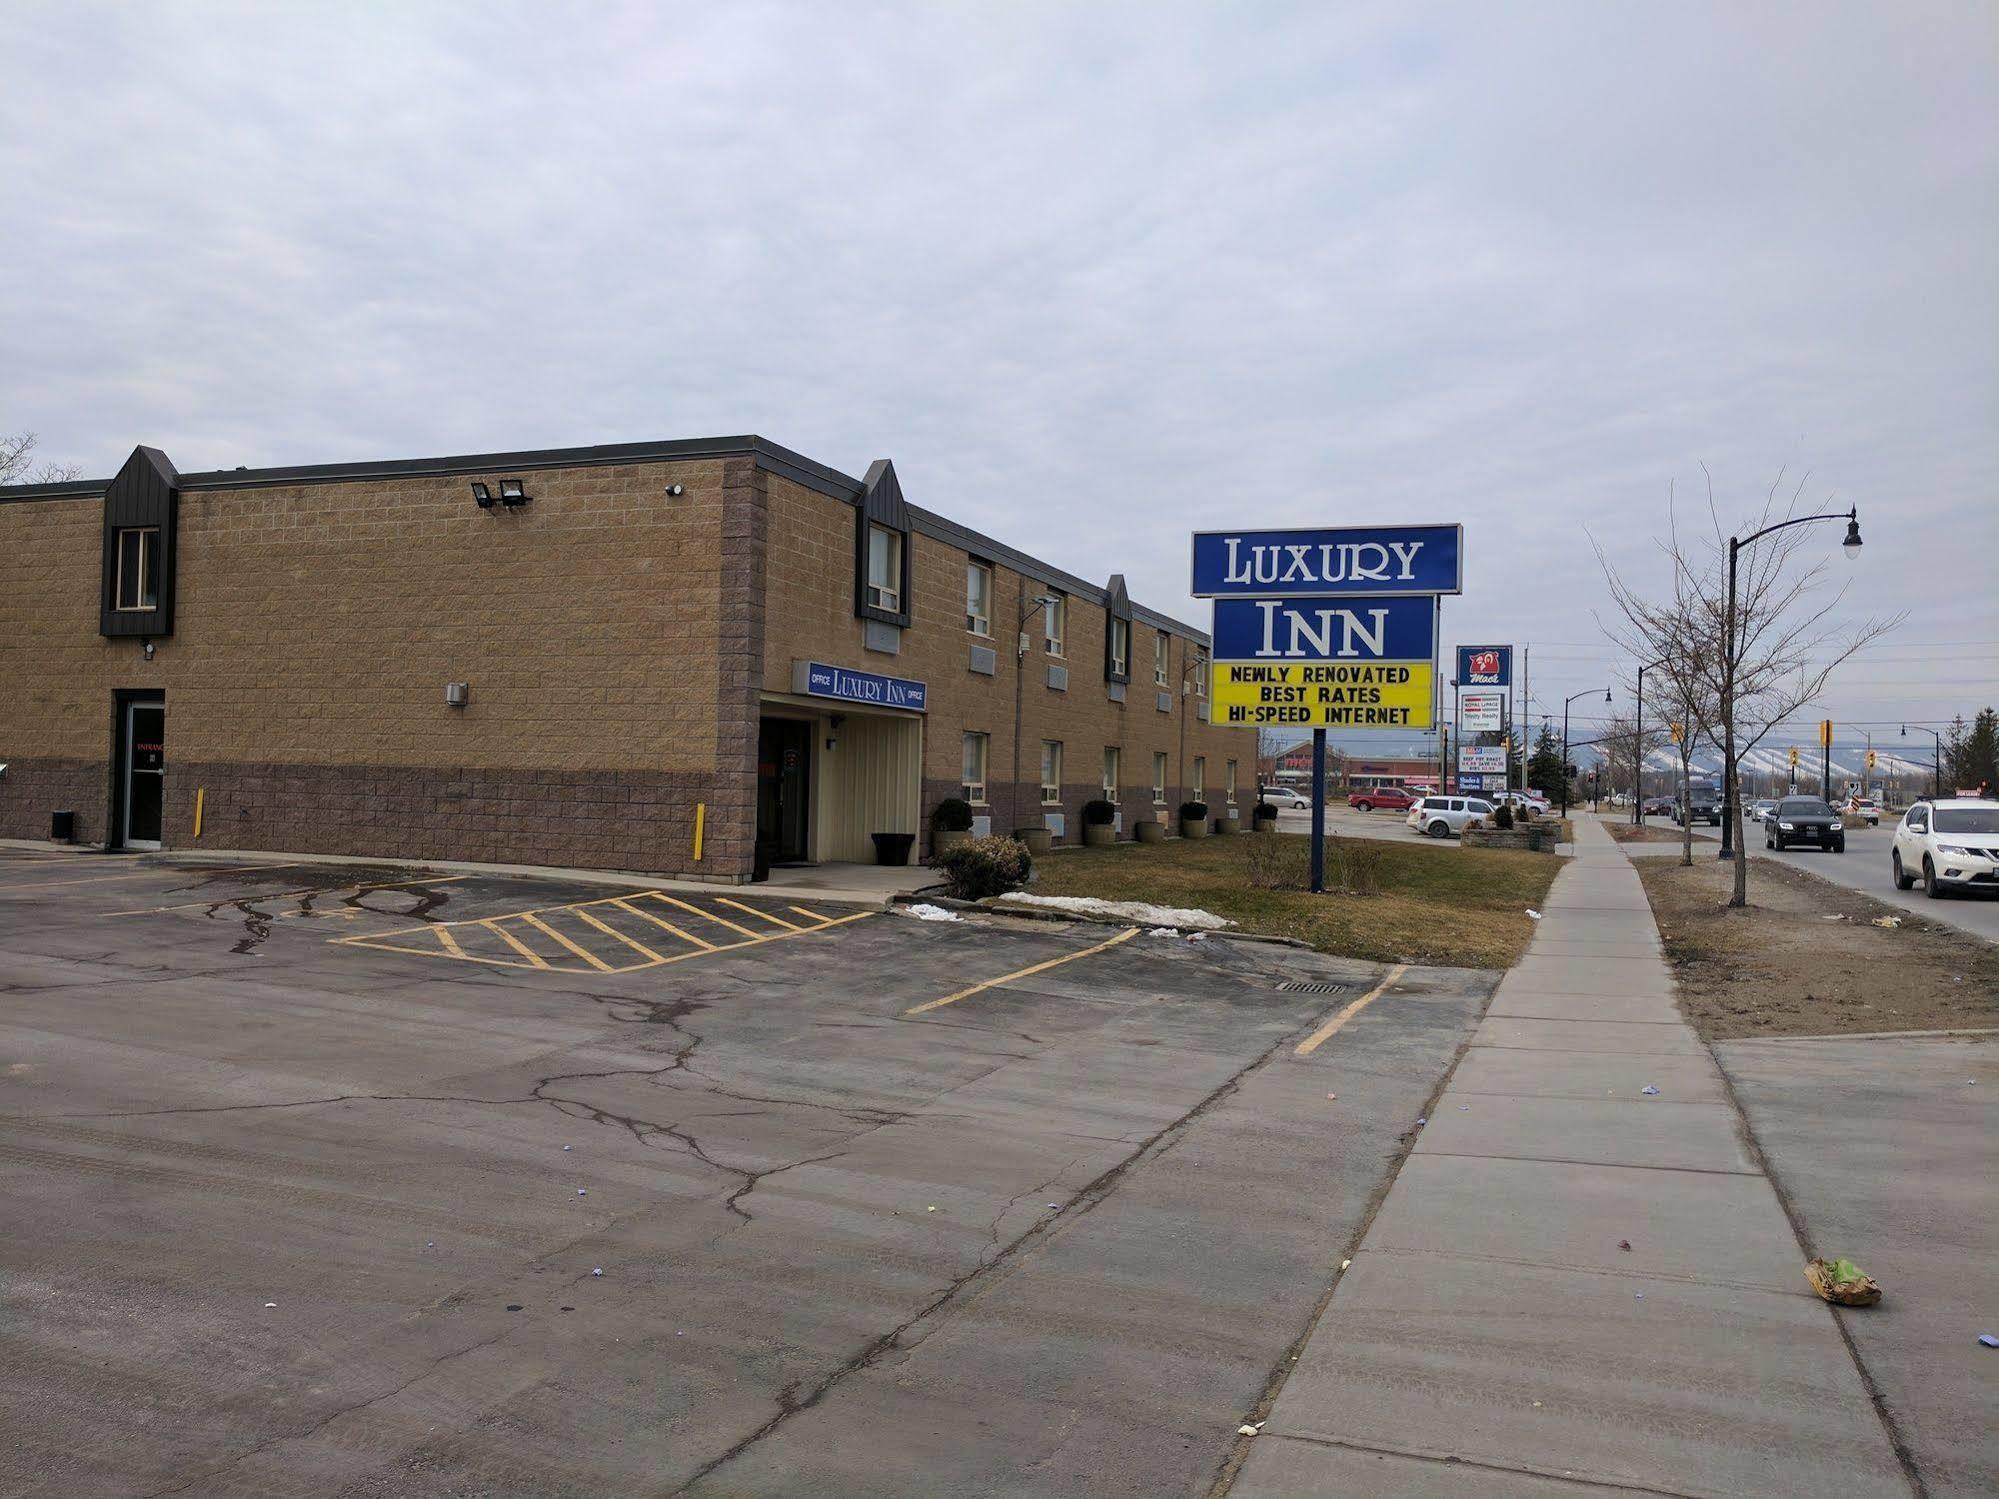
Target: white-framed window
{"points": [[1120, 662], [885, 568], [1200, 671], [1162, 651], [976, 747], [978, 597], [1231, 783], [1200, 793], [1159, 778], [1113, 759], [138, 582], [1054, 622], [1051, 772]]}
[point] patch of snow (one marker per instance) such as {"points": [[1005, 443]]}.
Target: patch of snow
{"points": [[924, 911], [1142, 912]]}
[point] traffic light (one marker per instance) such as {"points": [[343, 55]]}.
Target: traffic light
{"points": [[1870, 759], [1825, 733], [1678, 733], [1794, 757]]}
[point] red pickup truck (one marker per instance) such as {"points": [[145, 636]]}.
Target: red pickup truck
{"points": [[1389, 798]]}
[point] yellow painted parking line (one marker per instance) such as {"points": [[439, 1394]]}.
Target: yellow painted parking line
{"points": [[611, 931], [140, 874], [582, 952], [535, 959], [189, 905], [431, 952], [753, 911], [822, 920], [662, 895], [1312, 1042], [661, 921], [450, 944], [1006, 978]]}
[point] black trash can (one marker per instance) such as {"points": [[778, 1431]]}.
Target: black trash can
{"points": [[62, 827], [893, 848]]}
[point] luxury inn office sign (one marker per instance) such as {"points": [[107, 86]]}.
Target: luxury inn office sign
{"points": [[1327, 628]]}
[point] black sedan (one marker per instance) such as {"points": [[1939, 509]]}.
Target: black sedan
{"points": [[1803, 820]]}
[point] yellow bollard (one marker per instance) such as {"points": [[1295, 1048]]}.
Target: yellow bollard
{"points": [[700, 822], [200, 796]]}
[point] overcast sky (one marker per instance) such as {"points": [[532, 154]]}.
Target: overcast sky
{"points": [[1093, 276]]}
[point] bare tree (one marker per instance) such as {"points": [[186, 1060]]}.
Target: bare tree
{"points": [[18, 466], [1768, 657]]}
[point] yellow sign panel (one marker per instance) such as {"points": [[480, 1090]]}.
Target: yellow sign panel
{"points": [[1825, 733], [1325, 694]]}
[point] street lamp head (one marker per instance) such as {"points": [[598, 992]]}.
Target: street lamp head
{"points": [[1851, 546], [1606, 694]]}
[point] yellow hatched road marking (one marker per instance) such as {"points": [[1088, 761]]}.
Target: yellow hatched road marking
{"points": [[1006, 978], [582, 952], [450, 943], [535, 959], [611, 931], [662, 895], [661, 921], [822, 920], [753, 911], [1312, 1042]]}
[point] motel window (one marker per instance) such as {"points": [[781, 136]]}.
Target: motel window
{"points": [[885, 569], [1054, 621], [1051, 771], [1231, 783], [976, 746], [138, 585], [1112, 759], [978, 598], [1120, 661], [1159, 778], [1200, 793], [1162, 649], [1200, 671]]}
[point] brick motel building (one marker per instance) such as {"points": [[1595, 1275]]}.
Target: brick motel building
{"points": [[700, 657]]}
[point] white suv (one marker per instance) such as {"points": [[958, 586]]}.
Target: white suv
{"points": [[1444, 816], [1950, 842]]}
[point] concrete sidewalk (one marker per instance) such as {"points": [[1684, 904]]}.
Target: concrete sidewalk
{"points": [[1575, 1286]]}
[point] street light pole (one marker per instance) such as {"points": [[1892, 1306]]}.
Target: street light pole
{"points": [[1638, 747], [1730, 846], [1936, 764], [1565, 741]]}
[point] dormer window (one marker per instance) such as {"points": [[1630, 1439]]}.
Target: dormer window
{"points": [[884, 569], [138, 564]]}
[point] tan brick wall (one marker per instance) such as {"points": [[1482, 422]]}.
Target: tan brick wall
{"points": [[318, 624], [811, 616]]}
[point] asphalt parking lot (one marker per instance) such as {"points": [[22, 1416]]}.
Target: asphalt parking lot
{"points": [[312, 1170]]}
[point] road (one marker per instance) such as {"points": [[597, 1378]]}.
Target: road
{"points": [[311, 1171], [1865, 867]]}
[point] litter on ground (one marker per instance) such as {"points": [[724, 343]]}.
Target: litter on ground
{"points": [[1648, 1089], [924, 911], [1888, 921], [1533, 913], [1140, 911], [1842, 1282], [1990, 1340]]}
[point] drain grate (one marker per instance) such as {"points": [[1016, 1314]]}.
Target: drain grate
{"points": [[1298, 986]]}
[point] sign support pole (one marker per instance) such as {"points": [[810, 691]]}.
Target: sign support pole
{"points": [[1318, 811]]}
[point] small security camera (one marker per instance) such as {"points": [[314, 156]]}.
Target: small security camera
{"points": [[674, 490]]}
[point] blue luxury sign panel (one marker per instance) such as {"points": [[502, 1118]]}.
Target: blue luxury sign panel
{"points": [[1485, 666], [1328, 563], [1366, 629], [817, 679]]}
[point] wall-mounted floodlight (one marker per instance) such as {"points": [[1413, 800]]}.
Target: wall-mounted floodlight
{"points": [[457, 694], [674, 491], [482, 496], [511, 493]]}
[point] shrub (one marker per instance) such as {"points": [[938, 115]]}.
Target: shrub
{"points": [[953, 815], [983, 866], [1502, 816], [1265, 809], [1098, 814], [1276, 863], [1193, 811], [1359, 862]]}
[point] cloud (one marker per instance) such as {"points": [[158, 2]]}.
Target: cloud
{"points": [[1092, 276]]}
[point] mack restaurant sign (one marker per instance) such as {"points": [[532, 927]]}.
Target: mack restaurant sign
{"points": [[817, 679], [1322, 563], [1485, 666]]}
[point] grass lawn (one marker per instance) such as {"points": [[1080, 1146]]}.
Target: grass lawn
{"points": [[1438, 903]]}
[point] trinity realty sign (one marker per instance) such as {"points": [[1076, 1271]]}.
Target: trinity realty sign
{"points": [[1325, 563]]}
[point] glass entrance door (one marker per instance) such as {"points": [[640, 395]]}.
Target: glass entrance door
{"points": [[784, 767], [145, 772]]}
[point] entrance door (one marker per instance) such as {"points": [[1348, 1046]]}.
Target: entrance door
{"points": [[784, 765], [145, 772]]}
